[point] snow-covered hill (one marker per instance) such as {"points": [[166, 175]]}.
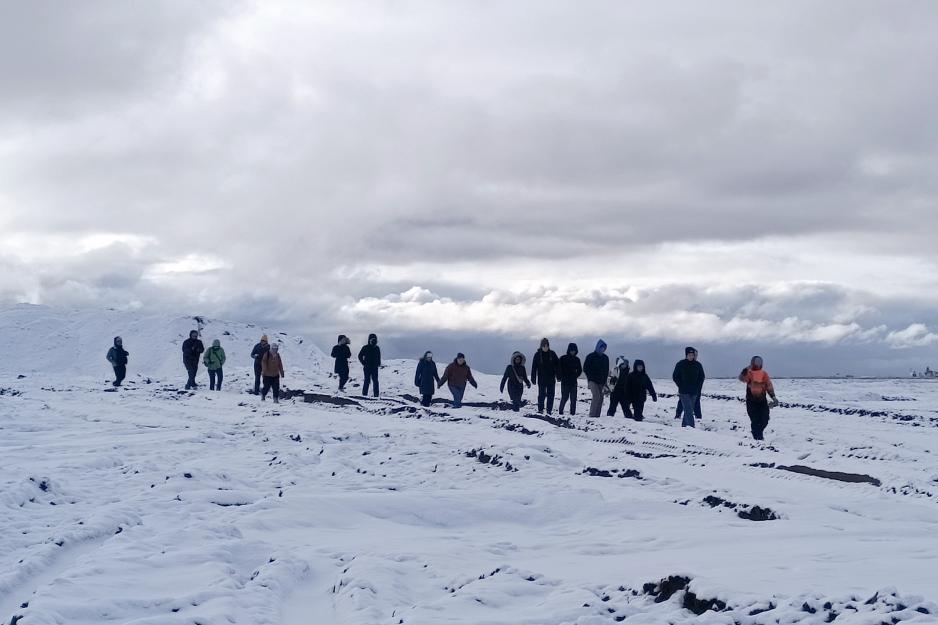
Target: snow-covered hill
{"points": [[151, 505]]}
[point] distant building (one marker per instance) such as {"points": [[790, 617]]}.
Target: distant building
{"points": [[928, 373]]}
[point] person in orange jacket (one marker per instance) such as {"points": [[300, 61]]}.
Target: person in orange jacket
{"points": [[759, 388]]}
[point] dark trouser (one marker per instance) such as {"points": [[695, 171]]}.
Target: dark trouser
{"points": [[426, 398], [120, 372], [545, 391], [689, 406], [192, 369], [758, 416], [596, 399], [638, 409], [371, 375], [257, 376], [568, 391], [343, 378], [458, 392], [213, 375], [616, 399], [515, 392], [271, 382], [680, 408]]}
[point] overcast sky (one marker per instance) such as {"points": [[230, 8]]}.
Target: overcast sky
{"points": [[733, 175]]}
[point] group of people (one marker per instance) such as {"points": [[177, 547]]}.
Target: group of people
{"points": [[628, 386]]}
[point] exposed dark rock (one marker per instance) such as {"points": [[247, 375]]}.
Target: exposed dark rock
{"points": [[321, 398], [853, 478]]}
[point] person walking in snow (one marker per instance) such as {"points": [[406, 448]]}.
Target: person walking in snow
{"points": [[596, 368], [370, 357], [214, 360], [257, 354], [516, 377], [758, 388], [456, 375], [426, 378], [617, 397], [192, 348], [544, 369], [568, 372], [272, 371], [689, 378], [637, 388], [342, 354], [117, 356]]}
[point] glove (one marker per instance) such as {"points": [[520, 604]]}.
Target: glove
{"points": [[474, 385], [773, 403], [654, 398]]}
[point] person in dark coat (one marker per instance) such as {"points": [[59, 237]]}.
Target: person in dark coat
{"points": [[596, 368], [516, 377], [370, 357], [618, 396], [117, 356], [257, 354], [637, 388], [426, 378], [192, 349], [569, 370], [689, 377], [759, 388], [456, 375], [544, 369], [342, 354]]}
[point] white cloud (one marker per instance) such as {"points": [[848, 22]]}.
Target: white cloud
{"points": [[915, 335]]}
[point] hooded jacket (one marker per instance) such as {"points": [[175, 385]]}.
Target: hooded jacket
{"points": [[596, 365], [426, 378], [638, 385], [569, 368], [689, 377], [261, 348], [342, 354], [214, 358], [619, 374], [272, 364], [458, 375], [117, 355], [370, 354], [544, 366], [516, 376], [191, 349]]}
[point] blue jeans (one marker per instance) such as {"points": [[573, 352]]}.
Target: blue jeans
{"points": [[688, 405], [680, 408], [458, 392]]}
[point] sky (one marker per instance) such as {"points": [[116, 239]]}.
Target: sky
{"points": [[471, 176]]}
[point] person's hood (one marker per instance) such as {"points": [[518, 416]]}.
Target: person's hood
{"points": [[427, 353], [622, 363], [194, 334], [264, 338], [689, 350], [637, 364], [340, 339], [515, 355], [756, 363], [601, 346], [275, 348], [118, 341], [573, 348], [372, 339], [545, 343], [216, 343]]}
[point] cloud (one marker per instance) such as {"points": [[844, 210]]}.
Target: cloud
{"points": [[915, 335]]}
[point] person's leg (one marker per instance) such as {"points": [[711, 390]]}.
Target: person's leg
{"points": [[541, 395], [257, 379], [551, 391], [265, 388], [697, 412], [596, 401], [687, 401], [275, 388], [211, 379], [374, 382], [564, 395], [638, 410], [366, 382], [458, 393], [343, 378], [221, 376], [425, 399], [515, 395], [679, 411], [573, 392], [614, 399]]}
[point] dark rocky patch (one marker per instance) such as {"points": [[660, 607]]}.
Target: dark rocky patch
{"points": [[750, 513], [321, 398], [852, 478], [494, 460], [594, 472]]}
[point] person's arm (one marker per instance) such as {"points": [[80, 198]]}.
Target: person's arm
{"points": [[222, 357], [770, 388], [445, 377], [378, 350], [578, 369], [534, 362], [501, 388], [471, 379], [743, 375], [110, 356], [703, 376], [524, 374], [651, 389], [205, 359], [417, 374], [436, 376], [674, 376], [280, 364], [361, 355]]}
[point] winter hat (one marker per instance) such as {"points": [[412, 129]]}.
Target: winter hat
{"points": [[372, 338], [193, 334], [573, 348], [600, 346], [460, 355], [689, 350], [275, 347], [216, 343], [428, 355], [263, 338], [118, 340]]}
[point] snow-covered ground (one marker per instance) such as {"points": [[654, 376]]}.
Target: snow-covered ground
{"points": [[158, 506]]}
